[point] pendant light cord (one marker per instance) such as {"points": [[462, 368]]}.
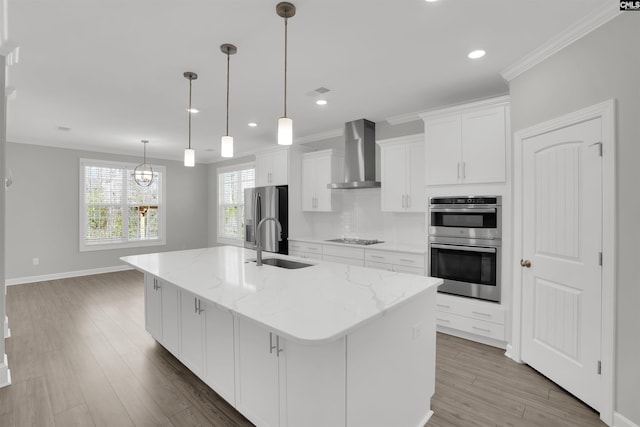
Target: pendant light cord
{"points": [[228, 61], [144, 152], [190, 83], [285, 66]]}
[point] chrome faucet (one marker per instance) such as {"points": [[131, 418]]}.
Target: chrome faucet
{"points": [[259, 239]]}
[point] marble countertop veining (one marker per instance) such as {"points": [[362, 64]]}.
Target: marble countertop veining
{"points": [[385, 246], [310, 305]]}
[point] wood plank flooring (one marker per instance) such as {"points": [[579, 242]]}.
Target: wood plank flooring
{"points": [[79, 356]]}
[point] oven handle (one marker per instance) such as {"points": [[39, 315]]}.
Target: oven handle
{"points": [[463, 210], [465, 248]]}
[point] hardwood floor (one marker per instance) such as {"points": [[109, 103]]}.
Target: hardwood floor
{"points": [[79, 356]]}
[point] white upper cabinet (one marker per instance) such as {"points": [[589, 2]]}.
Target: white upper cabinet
{"points": [[272, 168], [467, 146], [402, 174], [319, 169]]}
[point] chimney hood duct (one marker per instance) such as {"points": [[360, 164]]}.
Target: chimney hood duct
{"points": [[359, 156]]}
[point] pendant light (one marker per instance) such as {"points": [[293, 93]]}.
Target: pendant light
{"points": [[189, 153], [226, 144], [285, 125], [143, 173]]}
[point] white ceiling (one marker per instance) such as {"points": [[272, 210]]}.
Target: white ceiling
{"points": [[112, 70]]}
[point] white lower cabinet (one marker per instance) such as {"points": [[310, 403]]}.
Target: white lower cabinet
{"points": [[481, 319], [161, 312], [305, 249], [191, 332], [343, 255], [403, 262], [219, 357], [282, 383], [257, 373]]}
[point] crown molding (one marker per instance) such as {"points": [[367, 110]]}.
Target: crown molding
{"points": [[333, 133], [451, 108], [598, 17]]}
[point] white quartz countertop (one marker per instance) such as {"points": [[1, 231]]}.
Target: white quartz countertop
{"points": [[385, 246], [314, 304]]}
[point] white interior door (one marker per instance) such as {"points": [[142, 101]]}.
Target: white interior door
{"points": [[562, 241]]}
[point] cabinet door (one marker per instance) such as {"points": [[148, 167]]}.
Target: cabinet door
{"points": [[323, 173], [263, 169], [315, 384], [170, 332], [153, 307], [443, 150], [416, 198], [484, 146], [394, 178], [257, 392], [279, 168], [191, 337], [308, 184], [219, 362]]}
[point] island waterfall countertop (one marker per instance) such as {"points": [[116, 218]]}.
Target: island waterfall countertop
{"points": [[315, 304]]}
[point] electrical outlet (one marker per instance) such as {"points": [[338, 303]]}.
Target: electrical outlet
{"points": [[36, 261]]}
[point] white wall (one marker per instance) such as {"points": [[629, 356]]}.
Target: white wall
{"points": [[42, 212], [603, 65]]}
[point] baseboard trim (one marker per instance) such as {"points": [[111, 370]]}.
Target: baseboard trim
{"points": [[426, 418], [510, 355], [65, 275], [5, 373], [620, 420]]}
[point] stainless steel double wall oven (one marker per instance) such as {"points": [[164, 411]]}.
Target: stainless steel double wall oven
{"points": [[465, 245]]}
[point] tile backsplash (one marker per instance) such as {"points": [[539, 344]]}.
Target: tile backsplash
{"points": [[359, 216]]}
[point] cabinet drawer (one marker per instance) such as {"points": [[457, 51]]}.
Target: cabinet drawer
{"points": [[411, 270], [308, 255], [474, 309], [342, 260], [397, 258], [305, 247], [378, 265], [473, 326], [343, 251]]}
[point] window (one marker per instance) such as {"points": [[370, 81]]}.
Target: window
{"points": [[231, 186], [115, 212]]}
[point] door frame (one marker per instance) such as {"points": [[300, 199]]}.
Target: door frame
{"points": [[607, 112]]}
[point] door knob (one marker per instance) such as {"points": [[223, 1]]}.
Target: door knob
{"points": [[525, 263]]}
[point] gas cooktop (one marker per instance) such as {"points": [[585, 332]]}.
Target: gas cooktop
{"points": [[355, 241]]}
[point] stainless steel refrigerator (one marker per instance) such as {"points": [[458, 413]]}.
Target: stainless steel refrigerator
{"points": [[264, 202]]}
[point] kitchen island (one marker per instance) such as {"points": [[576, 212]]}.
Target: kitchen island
{"points": [[325, 345]]}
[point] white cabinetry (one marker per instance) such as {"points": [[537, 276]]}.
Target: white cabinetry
{"points": [[467, 144], [272, 168], [219, 356], [402, 174], [479, 318], [277, 379], [161, 313], [343, 255], [191, 332], [258, 374], [305, 249], [404, 262], [319, 169]]}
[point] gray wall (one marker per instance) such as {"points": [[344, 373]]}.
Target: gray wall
{"points": [[603, 65], [42, 211]]}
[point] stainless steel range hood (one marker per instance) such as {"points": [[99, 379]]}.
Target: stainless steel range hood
{"points": [[359, 156]]}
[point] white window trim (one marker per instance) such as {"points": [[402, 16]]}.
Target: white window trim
{"points": [[84, 247], [224, 169]]}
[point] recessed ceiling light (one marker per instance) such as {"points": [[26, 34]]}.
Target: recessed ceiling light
{"points": [[477, 54], [193, 110], [321, 102], [64, 128], [431, 1], [252, 124]]}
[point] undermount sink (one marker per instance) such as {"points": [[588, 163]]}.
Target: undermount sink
{"points": [[284, 263]]}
